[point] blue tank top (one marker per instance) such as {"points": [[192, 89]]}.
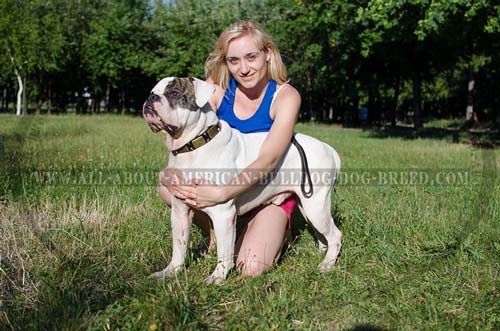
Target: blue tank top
{"points": [[261, 121]]}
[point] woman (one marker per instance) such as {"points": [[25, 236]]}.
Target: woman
{"points": [[252, 95]]}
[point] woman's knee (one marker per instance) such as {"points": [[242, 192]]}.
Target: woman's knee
{"points": [[252, 268], [261, 242]]}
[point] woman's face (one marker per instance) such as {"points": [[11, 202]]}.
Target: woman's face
{"points": [[246, 62]]}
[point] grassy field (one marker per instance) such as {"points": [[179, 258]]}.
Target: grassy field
{"points": [[82, 227]]}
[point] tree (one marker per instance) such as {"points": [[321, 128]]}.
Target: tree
{"points": [[185, 32], [17, 25], [115, 46], [35, 42], [429, 29]]}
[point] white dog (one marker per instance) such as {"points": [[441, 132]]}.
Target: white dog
{"points": [[199, 141]]}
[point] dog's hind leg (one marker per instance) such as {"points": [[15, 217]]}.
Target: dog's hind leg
{"points": [[224, 222], [317, 212], [322, 244]]}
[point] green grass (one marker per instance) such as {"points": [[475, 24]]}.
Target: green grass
{"points": [[77, 256]]}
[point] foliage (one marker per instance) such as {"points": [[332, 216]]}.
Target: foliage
{"points": [[185, 32], [340, 54], [115, 42]]}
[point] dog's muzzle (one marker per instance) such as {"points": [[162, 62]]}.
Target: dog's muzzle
{"points": [[148, 110]]}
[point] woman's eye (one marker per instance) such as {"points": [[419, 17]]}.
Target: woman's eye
{"points": [[251, 57], [233, 61]]}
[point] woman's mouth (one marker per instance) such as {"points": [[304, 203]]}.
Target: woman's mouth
{"points": [[248, 77]]}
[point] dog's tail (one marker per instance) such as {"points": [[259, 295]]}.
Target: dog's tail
{"points": [[336, 169]]}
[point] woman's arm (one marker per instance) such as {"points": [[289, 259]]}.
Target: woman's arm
{"points": [[287, 107], [216, 98]]}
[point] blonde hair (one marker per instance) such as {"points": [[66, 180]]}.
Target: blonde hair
{"points": [[216, 67]]}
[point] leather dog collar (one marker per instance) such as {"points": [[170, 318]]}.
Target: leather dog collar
{"points": [[199, 140]]}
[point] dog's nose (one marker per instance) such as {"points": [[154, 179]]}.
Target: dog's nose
{"points": [[153, 98], [148, 108]]}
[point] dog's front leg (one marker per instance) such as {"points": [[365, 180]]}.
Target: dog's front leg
{"points": [[180, 219], [224, 222]]}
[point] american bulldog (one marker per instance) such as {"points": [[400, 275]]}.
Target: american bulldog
{"points": [[201, 145]]}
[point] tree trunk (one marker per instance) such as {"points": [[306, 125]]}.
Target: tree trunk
{"points": [[309, 101], [469, 112], [417, 103], [63, 104], [49, 98], [5, 102], [108, 97], [20, 90], [25, 103], [19, 93], [371, 101], [39, 101], [395, 99], [122, 97], [39, 105], [350, 102]]}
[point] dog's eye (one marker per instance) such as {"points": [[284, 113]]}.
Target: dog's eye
{"points": [[174, 94]]}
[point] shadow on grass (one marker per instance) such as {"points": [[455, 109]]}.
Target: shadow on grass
{"points": [[14, 158], [74, 281], [11, 151], [77, 286], [484, 138], [366, 327], [96, 288]]}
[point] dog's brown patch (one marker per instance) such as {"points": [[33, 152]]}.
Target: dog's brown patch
{"points": [[180, 93]]}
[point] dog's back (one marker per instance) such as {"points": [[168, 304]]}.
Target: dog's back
{"points": [[323, 166]]}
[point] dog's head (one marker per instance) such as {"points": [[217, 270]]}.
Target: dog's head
{"points": [[175, 103]]}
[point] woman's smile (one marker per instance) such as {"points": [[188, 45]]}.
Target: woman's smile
{"points": [[247, 77], [246, 61]]}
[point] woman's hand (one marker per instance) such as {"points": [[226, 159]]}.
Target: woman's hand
{"points": [[202, 193], [199, 193], [175, 183]]}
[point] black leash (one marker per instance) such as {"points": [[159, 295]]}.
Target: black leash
{"points": [[305, 169]]}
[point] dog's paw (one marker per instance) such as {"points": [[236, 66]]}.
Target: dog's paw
{"points": [[214, 280], [168, 271], [157, 275], [331, 257], [326, 266]]}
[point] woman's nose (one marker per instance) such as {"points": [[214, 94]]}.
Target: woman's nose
{"points": [[245, 68]]}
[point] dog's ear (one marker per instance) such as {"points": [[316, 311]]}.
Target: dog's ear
{"points": [[203, 91]]}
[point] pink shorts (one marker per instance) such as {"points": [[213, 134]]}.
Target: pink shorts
{"points": [[288, 206]]}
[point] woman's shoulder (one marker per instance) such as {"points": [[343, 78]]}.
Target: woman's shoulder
{"points": [[287, 97], [216, 98], [286, 93]]}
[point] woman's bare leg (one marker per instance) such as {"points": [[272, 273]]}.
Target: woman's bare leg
{"points": [[261, 240]]}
